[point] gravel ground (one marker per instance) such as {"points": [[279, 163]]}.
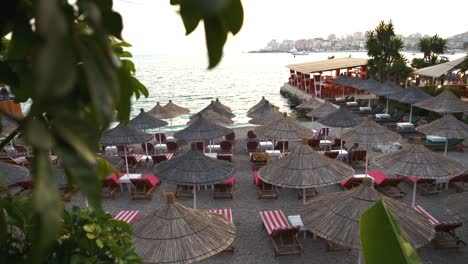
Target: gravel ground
{"points": [[252, 244]]}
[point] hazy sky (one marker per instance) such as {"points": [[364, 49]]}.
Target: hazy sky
{"points": [[152, 26]]}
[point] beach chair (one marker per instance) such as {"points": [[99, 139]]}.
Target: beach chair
{"points": [[224, 190], [230, 137], [184, 191], [225, 147], [224, 156], [121, 149], [172, 147], [251, 136], [160, 138], [356, 156], [110, 186], [314, 143], [264, 190], [459, 182], [453, 144], [331, 154], [426, 186], [282, 146], [126, 216], [198, 146], [337, 144], [143, 188], [161, 157], [133, 160], [149, 147], [282, 235], [351, 183], [323, 133], [386, 185], [258, 159], [446, 236], [226, 213]]}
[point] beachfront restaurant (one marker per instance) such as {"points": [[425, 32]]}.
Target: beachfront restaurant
{"points": [[314, 77]]}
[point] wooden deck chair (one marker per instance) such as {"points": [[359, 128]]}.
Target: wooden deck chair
{"points": [[426, 186], [226, 213], [351, 183], [386, 185], [134, 160], [161, 157], [127, 216], [356, 156], [264, 190], [460, 182], [224, 190], [445, 231], [224, 156], [282, 235], [110, 186], [143, 188], [184, 191]]}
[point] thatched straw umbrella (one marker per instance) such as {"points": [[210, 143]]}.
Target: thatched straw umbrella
{"points": [[365, 85], [285, 128], [370, 133], [159, 112], [177, 234], [457, 205], [175, 111], [341, 118], [124, 135], [266, 117], [145, 121], [325, 109], [341, 79], [223, 106], [194, 168], [386, 88], [257, 105], [448, 127], [212, 116], [335, 216], [219, 110], [12, 174], [410, 96], [446, 102], [305, 168], [419, 162], [310, 104], [266, 107]]}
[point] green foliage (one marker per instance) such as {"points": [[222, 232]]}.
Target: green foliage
{"points": [[86, 236], [432, 48], [383, 49], [378, 223], [219, 18], [399, 70]]}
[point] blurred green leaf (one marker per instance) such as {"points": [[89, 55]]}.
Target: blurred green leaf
{"points": [[190, 16], [234, 16], [378, 223], [215, 36], [104, 168]]}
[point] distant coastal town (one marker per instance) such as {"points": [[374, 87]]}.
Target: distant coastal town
{"points": [[354, 42]]}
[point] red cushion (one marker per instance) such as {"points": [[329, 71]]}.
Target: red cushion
{"points": [[113, 179], [153, 180]]}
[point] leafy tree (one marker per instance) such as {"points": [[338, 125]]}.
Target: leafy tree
{"points": [[432, 48], [399, 70], [383, 49], [62, 58]]}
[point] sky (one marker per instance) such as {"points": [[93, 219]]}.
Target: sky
{"points": [[153, 26]]}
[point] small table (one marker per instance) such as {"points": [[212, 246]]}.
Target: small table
{"points": [[213, 148], [212, 155], [436, 138], [362, 176], [340, 99], [160, 148], [325, 143], [264, 145], [125, 179], [342, 154], [403, 125], [170, 139], [111, 150], [365, 108], [273, 153], [382, 116], [351, 103], [295, 220]]}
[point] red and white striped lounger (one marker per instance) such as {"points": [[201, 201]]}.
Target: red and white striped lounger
{"points": [[127, 216], [278, 228], [445, 236], [227, 213]]}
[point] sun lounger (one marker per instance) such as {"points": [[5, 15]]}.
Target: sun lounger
{"points": [[460, 182], [453, 144], [134, 161], [110, 185], [426, 186], [386, 185], [264, 190], [127, 216], [445, 231], [161, 157], [225, 189], [184, 191], [282, 235], [224, 156], [143, 188], [227, 213]]}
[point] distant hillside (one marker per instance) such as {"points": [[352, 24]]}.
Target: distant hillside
{"points": [[459, 41], [463, 37]]}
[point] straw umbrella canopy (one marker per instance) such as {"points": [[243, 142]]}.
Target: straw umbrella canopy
{"points": [[266, 107], [386, 88], [370, 133], [212, 116], [341, 79], [177, 234], [174, 110], [446, 102], [266, 117], [457, 205], [419, 162], [367, 85], [341, 118], [448, 127], [159, 112], [223, 106], [202, 129], [194, 168], [12, 174], [212, 106], [257, 105], [286, 128], [310, 104], [124, 135], [410, 96], [335, 216], [305, 168], [145, 121], [325, 109]]}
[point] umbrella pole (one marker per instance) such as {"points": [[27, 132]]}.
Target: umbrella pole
{"points": [[446, 146], [146, 145], [367, 156], [360, 260], [413, 202], [341, 139], [171, 127], [126, 160], [304, 196], [283, 145], [411, 113], [355, 94], [195, 196], [386, 108]]}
